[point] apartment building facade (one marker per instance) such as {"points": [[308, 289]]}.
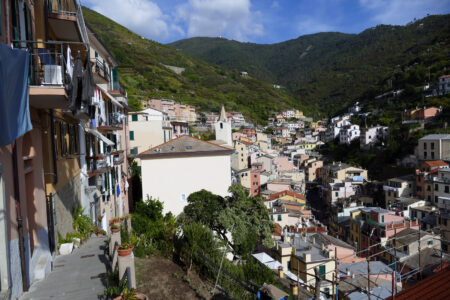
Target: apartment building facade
{"points": [[434, 147]]}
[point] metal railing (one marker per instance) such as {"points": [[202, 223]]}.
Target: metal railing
{"points": [[101, 69], [116, 86], [97, 165], [47, 61]]}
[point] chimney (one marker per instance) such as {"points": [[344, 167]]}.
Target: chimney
{"points": [[313, 240], [307, 257], [280, 272], [294, 289], [330, 254], [322, 247]]}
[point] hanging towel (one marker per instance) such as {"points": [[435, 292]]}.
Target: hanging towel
{"points": [[14, 108]]}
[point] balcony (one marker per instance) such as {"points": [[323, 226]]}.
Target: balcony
{"points": [[47, 71], [100, 71], [97, 164], [65, 20], [114, 121], [117, 90], [118, 158]]}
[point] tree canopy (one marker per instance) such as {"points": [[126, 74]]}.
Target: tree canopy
{"points": [[239, 220]]}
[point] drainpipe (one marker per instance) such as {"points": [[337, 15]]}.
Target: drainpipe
{"points": [[53, 133], [19, 219]]}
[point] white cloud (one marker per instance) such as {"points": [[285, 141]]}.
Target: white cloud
{"points": [[400, 12], [230, 18], [141, 16], [275, 4]]}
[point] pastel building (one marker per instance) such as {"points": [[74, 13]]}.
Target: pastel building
{"points": [[174, 170]]}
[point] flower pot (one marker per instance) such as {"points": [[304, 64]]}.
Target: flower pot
{"points": [[124, 252], [111, 222], [140, 296], [100, 218], [115, 229]]}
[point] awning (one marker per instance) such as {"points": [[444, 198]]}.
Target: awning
{"points": [[113, 100], [100, 136]]}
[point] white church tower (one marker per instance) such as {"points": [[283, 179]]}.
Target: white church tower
{"points": [[223, 128]]}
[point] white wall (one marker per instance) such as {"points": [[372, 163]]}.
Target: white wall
{"points": [[167, 179]]}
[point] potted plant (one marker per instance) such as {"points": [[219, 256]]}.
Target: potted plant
{"points": [[100, 218], [115, 228], [125, 249], [98, 231], [116, 220]]}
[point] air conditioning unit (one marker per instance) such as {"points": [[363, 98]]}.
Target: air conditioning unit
{"points": [[53, 75]]}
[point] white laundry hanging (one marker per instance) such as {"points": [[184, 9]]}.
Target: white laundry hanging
{"points": [[69, 63]]}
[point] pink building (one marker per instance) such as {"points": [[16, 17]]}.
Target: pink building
{"points": [[380, 224], [236, 136], [283, 164]]}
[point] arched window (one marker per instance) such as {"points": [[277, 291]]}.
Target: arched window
{"points": [[221, 125]]}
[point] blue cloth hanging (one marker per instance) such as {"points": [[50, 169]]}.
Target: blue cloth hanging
{"points": [[14, 109]]}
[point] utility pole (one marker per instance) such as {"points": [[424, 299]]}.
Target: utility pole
{"points": [[368, 278], [318, 284], [336, 274], [395, 240], [420, 265]]}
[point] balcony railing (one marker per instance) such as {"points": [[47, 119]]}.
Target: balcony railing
{"points": [[117, 87], [101, 69], [48, 61], [118, 158], [113, 121], [98, 164]]}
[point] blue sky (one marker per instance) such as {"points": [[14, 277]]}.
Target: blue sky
{"points": [[259, 21]]}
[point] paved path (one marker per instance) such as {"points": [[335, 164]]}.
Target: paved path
{"points": [[80, 275]]}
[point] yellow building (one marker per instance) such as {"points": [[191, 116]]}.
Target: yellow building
{"points": [[239, 159], [355, 228], [298, 114]]}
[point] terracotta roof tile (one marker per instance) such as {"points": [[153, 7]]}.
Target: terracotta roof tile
{"points": [[436, 286]]}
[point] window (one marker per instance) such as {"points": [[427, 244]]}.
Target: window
{"points": [[134, 118], [424, 145], [436, 199], [430, 243], [336, 194], [63, 139], [255, 176], [271, 217], [131, 135], [425, 154], [432, 146], [428, 187], [432, 155], [279, 217], [436, 187], [322, 271], [382, 219], [255, 191], [221, 125], [446, 189]]}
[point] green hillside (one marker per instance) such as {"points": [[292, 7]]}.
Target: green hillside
{"points": [[328, 71], [202, 84]]}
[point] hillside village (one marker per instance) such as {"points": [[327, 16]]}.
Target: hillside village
{"points": [[355, 206]]}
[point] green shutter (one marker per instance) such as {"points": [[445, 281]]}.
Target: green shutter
{"points": [[134, 118], [131, 135], [322, 271], [115, 79]]}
